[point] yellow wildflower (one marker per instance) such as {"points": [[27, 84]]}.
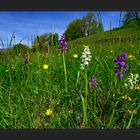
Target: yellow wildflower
{"points": [[124, 97], [131, 111], [137, 87], [75, 56], [45, 66], [131, 57], [82, 125], [127, 98], [49, 112], [111, 51]]}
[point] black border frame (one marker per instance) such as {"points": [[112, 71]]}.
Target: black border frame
{"points": [[64, 134], [69, 5]]}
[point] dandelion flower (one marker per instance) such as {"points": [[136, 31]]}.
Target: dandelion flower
{"points": [[49, 112], [45, 66], [75, 56]]}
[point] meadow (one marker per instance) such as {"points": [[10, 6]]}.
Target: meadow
{"points": [[51, 91]]}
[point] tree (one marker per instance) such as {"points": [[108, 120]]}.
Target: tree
{"points": [[20, 48], [90, 24], [53, 39], [133, 15], [40, 41], [83, 27], [44, 40], [74, 30]]}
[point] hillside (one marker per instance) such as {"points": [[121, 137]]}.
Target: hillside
{"points": [[118, 34]]}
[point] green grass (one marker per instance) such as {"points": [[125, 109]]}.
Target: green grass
{"points": [[27, 91]]}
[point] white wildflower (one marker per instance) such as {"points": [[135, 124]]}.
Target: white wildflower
{"points": [[126, 85], [82, 67], [132, 81], [86, 63], [86, 58]]}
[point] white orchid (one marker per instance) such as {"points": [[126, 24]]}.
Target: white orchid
{"points": [[86, 58], [132, 81]]}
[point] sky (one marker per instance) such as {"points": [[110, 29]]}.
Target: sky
{"points": [[27, 24]]}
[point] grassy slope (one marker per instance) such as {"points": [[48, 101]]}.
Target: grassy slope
{"points": [[133, 32]]}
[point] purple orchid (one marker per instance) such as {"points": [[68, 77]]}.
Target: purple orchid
{"points": [[93, 82], [25, 59], [63, 44], [121, 64]]}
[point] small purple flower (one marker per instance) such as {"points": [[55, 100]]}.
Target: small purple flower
{"points": [[116, 70], [120, 75], [123, 56], [25, 59], [121, 63], [125, 67], [63, 44], [116, 59], [64, 49], [93, 82]]}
